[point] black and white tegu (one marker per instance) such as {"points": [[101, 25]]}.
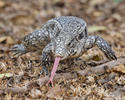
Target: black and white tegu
{"points": [[61, 38]]}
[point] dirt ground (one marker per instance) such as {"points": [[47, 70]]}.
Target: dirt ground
{"points": [[98, 79]]}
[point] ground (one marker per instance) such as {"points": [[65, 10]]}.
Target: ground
{"points": [[98, 79]]}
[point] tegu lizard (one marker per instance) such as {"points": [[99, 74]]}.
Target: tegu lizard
{"points": [[61, 38]]}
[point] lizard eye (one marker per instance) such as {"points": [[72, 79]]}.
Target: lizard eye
{"points": [[69, 44]]}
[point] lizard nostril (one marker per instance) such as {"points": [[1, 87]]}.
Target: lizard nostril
{"points": [[60, 52]]}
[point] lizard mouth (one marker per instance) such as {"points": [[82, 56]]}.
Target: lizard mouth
{"points": [[59, 56]]}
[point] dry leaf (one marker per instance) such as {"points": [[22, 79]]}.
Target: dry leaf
{"points": [[2, 4], [96, 28], [2, 65], [93, 54], [119, 68], [23, 20], [8, 39], [96, 2], [6, 75], [97, 13], [117, 17]]}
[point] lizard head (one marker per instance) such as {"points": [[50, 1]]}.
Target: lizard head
{"points": [[69, 45]]}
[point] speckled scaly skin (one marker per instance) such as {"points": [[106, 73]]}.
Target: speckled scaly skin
{"points": [[64, 36]]}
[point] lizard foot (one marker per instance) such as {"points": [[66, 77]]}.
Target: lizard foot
{"points": [[18, 50]]}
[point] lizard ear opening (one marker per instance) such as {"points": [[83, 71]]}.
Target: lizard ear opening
{"points": [[83, 34], [54, 23], [86, 32]]}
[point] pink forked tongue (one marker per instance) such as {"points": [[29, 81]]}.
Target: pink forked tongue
{"points": [[56, 63]]}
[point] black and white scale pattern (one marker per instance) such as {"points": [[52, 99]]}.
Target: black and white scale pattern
{"points": [[64, 36]]}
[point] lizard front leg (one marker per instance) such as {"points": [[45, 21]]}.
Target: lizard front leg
{"points": [[32, 42], [102, 44], [45, 62], [46, 59]]}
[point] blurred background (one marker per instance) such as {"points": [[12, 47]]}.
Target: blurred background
{"points": [[20, 17]]}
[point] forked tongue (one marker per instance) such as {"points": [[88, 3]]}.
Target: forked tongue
{"points": [[56, 63]]}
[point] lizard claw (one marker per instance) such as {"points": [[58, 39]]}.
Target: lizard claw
{"points": [[110, 55], [104, 46], [18, 50]]}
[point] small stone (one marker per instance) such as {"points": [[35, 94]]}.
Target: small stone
{"points": [[35, 93], [90, 79]]}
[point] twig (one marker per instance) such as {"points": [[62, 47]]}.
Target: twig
{"points": [[40, 81], [102, 68]]}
